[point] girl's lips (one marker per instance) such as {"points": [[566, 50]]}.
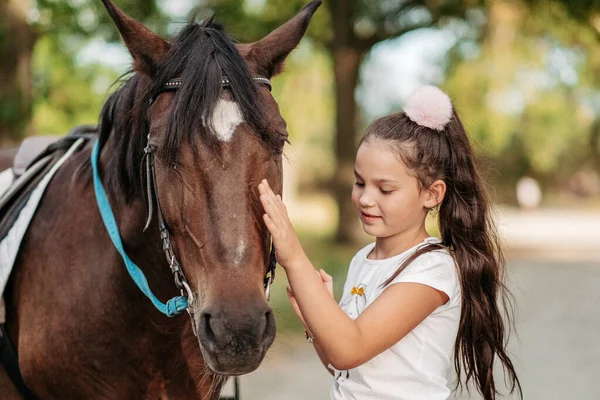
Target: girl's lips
{"points": [[368, 218]]}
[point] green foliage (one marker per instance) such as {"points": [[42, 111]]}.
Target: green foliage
{"points": [[89, 17], [66, 94], [521, 96], [304, 93], [249, 21]]}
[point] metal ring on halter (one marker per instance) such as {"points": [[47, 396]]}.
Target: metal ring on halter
{"points": [[268, 281], [189, 293], [191, 301]]}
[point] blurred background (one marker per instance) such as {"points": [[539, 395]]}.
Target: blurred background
{"points": [[523, 75]]}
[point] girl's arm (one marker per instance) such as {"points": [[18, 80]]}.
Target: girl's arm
{"points": [[327, 280], [323, 357], [345, 343]]}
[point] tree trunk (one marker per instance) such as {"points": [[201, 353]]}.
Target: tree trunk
{"points": [[595, 145], [347, 61], [347, 56], [16, 47]]}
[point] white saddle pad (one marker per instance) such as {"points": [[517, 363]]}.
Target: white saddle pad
{"points": [[9, 247], [6, 179]]}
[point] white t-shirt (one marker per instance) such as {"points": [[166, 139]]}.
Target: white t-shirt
{"points": [[417, 366]]}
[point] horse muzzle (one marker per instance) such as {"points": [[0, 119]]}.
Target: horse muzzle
{"points": [[235, 339]]}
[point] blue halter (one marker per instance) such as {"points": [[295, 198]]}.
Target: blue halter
{"points": [[175, 305]]}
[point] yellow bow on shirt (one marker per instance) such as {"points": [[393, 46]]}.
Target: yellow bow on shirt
{"points": [[358, 291]]}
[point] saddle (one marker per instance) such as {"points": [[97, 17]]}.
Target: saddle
{"points": [[35, 157]]}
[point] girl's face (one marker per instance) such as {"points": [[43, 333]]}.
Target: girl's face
{"points": [[386, 196]]}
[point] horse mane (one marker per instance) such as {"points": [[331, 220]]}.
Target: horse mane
{"points": [[201, 54]]}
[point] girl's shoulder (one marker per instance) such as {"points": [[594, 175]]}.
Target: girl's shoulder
{"points": [[435, 268], [436, 256], [438, 260]]}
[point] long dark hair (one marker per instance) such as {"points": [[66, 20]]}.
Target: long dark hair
{"points": [[469, 232]]}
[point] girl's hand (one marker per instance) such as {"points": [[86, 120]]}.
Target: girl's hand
{"points": [[294, 304], [286, 242], [327, 281]]}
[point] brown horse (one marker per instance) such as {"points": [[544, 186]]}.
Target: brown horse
{"points": [[82, 328]]}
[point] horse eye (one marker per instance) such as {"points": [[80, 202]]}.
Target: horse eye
{"points": [[284, 137]]}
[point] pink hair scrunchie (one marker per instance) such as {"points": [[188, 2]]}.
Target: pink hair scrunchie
{"points": [[429, 107]]}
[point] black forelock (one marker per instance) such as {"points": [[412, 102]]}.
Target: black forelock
{"points": [[201, 54]]}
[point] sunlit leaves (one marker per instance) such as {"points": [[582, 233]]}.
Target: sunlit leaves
{"points": [[522, 97]]}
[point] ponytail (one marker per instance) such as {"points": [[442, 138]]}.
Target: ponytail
{"points": [[468, 229]]}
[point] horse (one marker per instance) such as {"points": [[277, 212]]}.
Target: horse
{"points": [[181, 146]]}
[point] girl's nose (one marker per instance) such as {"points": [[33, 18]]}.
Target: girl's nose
{"points": [[365, 200]]}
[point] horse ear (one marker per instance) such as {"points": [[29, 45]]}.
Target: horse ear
{"points": [[270, 52], [147, 48]]}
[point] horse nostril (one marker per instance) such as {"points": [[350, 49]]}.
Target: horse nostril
{"points": [[268, 325], [210, 335]]}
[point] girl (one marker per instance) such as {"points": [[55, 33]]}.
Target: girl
{"points": [[410, 300]]}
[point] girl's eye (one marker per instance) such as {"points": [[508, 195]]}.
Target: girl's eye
{"points": [[359, 184], [383, 191]]}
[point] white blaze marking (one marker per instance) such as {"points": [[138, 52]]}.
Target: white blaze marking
{"points": [[226, 117], [239, 252]]}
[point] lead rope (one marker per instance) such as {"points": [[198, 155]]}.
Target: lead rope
{"points": [[173, 306]]}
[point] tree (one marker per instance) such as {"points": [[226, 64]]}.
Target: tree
{"points": [[17, 39], [526, 92], [588, 14], [69, 25]]}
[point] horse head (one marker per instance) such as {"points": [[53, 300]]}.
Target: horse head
{"points": [[213, 139]]}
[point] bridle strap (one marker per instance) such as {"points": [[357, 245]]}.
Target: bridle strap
{"points": [[176, 83], [172, 260], [152, 192], [148, 160]]}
